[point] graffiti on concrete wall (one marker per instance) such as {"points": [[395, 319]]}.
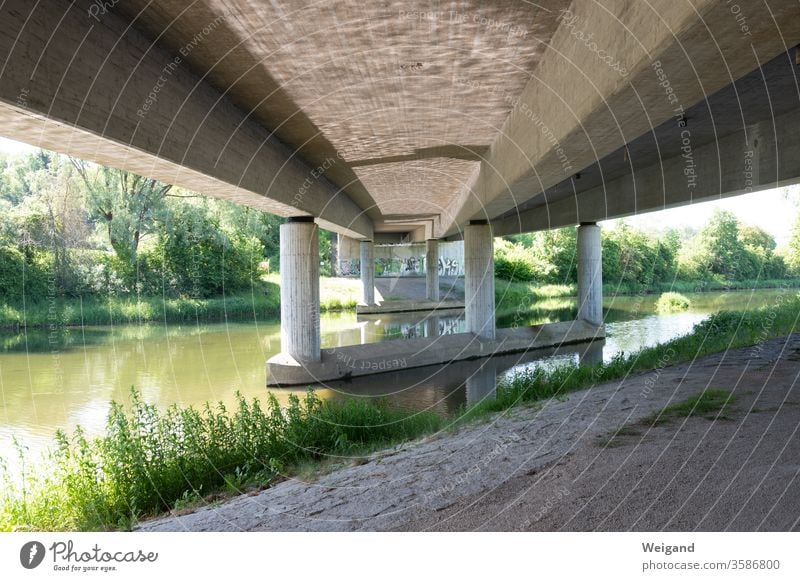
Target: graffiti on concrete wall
{"points": [[448, 267], [404, 260], [348, 267]]}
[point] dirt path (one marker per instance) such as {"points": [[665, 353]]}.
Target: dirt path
{"points": [[552, 468]]}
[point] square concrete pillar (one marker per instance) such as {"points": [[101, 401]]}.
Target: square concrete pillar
{"points": [[432, 269], [299, 257], [479, 279], [367, 272], [590, 274]]}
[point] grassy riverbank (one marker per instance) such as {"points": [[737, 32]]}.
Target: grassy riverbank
{"points": [[151, 461], [514, 295], [260, 304], [263, 302]]}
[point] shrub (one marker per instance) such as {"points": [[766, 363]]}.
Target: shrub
{"points": [[671, 302]]}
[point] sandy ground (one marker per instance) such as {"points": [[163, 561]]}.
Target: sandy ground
{"points": [[552, 467]]}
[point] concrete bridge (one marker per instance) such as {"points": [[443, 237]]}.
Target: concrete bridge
{"points": [[389, 121]]}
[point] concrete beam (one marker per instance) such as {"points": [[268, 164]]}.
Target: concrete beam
{"points": [[576, 110], [760, 157], [97, 88]]}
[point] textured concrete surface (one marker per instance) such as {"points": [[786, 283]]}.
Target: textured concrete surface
{"points": [[414, 288], [408, 306], [479, 280], [372, 358], [413, 118], [300, 330], [432, 269], [590, 274], [366, 253], [550, 468]]}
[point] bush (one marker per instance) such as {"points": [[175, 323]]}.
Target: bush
{"points": [[18, 272], [515, 263], [671, 302], [150, 460]]}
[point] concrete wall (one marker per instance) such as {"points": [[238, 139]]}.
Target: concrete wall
{"points": [[401, 259]]}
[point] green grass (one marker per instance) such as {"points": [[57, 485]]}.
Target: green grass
{"points": [[671, 302], [522, 295], [711, 404], [151, 461], [512, 295], [685, 286], [260, 304], [707, 404]]}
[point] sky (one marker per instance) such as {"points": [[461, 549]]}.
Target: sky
{"points": [[772, 210]]}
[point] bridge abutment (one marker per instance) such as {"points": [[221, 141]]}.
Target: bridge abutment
{"points": [[590, 274]]}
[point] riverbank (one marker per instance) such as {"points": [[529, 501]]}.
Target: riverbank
{"points": [[598, 459], [225, 436], [261, 304]]}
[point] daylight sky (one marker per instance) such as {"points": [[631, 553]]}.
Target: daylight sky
{"points": [[772, 210]]}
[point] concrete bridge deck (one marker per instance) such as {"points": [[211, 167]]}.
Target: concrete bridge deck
{"points": [[397, 122]]}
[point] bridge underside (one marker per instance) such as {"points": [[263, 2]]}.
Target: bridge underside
{"points": [[415, 121]]}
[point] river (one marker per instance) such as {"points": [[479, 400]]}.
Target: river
{"points": [[59, 380]]}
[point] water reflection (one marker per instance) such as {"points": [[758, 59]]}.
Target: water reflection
{"points": [[444, 389], [57, 380]]}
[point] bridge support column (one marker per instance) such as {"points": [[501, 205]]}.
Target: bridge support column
{"points": [[479, 279], [367, 272], [432, 269], [590, 274], [299, 257]]}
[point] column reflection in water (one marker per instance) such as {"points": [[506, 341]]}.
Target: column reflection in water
{"points": [[482, 383], [432, 326], [592, 354]]}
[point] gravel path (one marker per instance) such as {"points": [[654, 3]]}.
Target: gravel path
{"points": [[552, 467]]}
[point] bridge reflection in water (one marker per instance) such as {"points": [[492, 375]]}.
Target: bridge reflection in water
{"points": [[447, 388]]}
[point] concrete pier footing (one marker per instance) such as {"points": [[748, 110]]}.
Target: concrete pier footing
{"points": [[367, 254], [479, 279], [432, 269], [590, 274], [299, 258], [373, 358]]}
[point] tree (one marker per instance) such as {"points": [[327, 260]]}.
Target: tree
{"points": [[792, 255], [756, 237], [129, 205]]}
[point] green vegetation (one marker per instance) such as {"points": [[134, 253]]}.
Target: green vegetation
{"points": [[672, 303], [150, 461], [709, 404], [724, 254], [260, 304]]}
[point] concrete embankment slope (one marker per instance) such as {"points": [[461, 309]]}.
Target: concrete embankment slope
{"points": [[553, 468]]}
